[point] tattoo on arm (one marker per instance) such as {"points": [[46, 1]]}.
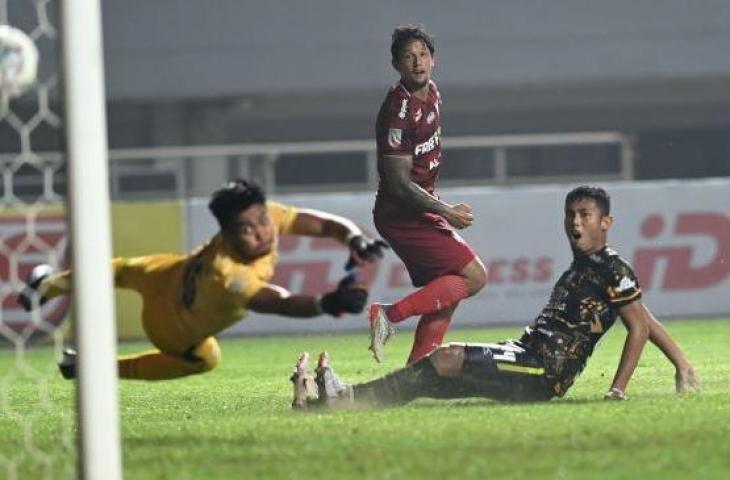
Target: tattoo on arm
{"points": [[396, 175]]}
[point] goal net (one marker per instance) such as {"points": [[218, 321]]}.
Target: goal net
{"points": [[36, 411], [41, 416]]}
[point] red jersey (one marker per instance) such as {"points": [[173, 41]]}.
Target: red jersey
{"points": [[407, 125]]}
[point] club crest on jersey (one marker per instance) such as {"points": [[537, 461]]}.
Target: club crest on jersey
{"points": [[395, 137], [430, 118], [403, 109], [418, 115], [626, 284]]}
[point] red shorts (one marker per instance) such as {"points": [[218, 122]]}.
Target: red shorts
{"points": [[429, 247]]}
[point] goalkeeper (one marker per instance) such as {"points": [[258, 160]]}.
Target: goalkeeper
{"points": [[187, 299]]}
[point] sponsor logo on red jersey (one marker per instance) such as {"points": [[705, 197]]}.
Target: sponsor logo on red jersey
{"points": [[428, 145]]}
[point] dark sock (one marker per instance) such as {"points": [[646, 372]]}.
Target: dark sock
{"points": [[402, 386]]}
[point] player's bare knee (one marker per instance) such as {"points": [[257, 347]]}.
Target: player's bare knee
{"points": [[448, 359], [208, 353], [475, 276]]}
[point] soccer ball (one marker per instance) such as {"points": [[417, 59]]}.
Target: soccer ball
{"points": [[18, 61]]}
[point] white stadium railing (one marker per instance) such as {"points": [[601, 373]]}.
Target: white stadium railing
{"points": [[185, 171]]}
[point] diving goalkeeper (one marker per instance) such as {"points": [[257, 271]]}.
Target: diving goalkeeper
{"points": [[187, 299]]}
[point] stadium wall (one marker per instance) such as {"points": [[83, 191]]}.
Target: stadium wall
{"points": [[141, 229], [676, 234]]}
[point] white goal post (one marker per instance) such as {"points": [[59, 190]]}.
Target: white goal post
{"points": [[97, 387]]}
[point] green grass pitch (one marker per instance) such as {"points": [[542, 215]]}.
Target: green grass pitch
{"points": [[235, 422]]}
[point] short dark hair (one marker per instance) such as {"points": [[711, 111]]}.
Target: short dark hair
{"points": [[597, 194], [232, 198], [404, 34]]}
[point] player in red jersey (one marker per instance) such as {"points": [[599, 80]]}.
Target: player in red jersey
{"points": [[408, 213]]}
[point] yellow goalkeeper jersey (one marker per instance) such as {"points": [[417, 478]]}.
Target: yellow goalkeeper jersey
{"points": [[216, 285], [187, 298]]}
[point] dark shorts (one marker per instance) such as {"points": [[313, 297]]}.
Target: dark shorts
{"points": [[428, 247], [504, 371], [508, 372]]}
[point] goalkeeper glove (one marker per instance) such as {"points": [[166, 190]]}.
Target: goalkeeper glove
{"points": [[364, 249], [349, 297]]}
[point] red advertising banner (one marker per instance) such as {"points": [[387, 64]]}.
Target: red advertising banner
{"points": [[24, 243]]}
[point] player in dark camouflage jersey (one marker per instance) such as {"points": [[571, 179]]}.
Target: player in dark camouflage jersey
{"points": [[598, 287]]}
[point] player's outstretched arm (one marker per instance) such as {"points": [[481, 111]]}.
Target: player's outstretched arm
{"points": [[278, 300], [315, 223], [637, 325], [346, 298], [685, 378], [396, 176]]}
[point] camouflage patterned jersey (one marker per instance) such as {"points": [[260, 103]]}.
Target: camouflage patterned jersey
{"points": [[582, 307]]}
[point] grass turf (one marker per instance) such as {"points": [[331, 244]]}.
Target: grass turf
{"points": [[235, 422]]}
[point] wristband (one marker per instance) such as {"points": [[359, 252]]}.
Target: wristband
{"points": [[350, 236]]}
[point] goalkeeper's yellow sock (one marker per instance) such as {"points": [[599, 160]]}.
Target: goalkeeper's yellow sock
{"points": [[155, 365], [55, 285]]}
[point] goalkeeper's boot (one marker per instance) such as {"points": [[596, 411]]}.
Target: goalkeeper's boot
{"points": [[381, 329], [32, 282], [67, 365], [305, 388], [332, 391]]}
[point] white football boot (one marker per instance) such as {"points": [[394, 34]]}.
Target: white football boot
{"points": [[305, 388], [381, 329], [332, 391], [29, 297], [67, 365]]}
